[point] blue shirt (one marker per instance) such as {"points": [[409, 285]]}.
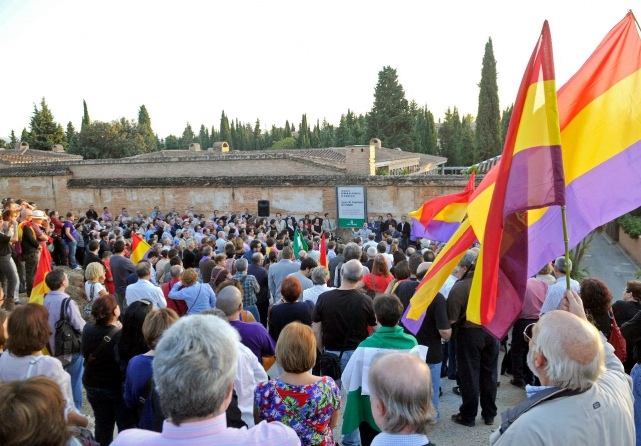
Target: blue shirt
{"points": [[139, 371], [197, 296]]}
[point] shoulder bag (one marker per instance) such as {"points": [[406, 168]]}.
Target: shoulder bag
{"points": [[66, 337], [106, 340], [617, 340]]}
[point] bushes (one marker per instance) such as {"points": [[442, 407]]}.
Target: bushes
{"points": [[631, 224]]}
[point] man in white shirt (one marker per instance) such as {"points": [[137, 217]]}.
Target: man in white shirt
{"points": [[144, 289]]}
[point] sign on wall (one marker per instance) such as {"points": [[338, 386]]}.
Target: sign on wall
{"points": [[351, 203]]}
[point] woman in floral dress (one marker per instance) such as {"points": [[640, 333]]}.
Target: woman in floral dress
{"points": [[308, 404]]}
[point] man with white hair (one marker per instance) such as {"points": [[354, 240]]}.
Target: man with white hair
{"points": [[555, 293], [401, 399], [319, 277], [193, 396], [585, 396]]}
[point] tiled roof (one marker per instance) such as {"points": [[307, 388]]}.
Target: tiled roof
{"points": [[30, 156], [33, 170]]}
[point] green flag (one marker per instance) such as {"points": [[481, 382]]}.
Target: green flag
{"points": [[299, 243]]}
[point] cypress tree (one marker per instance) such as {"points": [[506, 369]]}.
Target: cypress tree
{"points": [[24, 136], [390, 119], [14, 140], [505, 122], [144, 126], [258, 137], [225, 132], [86, 121], [187, 137], [449, 134], [304, 135], [288, 130], [488, 136], [327, 134], [465, 142]]}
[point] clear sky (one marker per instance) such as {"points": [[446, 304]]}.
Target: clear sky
{"points": [[273, 60]]}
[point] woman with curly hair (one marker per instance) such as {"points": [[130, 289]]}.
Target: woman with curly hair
{"points": [[597, 301]]}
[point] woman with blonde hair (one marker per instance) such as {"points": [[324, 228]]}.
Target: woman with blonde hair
{"points": [[308, 404], [197, 296], [94, 286]]}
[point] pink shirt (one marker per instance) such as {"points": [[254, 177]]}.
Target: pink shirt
{"points": [[213, 431], [534, 298]]}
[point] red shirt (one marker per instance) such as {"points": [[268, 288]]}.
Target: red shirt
{"points": [[57, 224]]}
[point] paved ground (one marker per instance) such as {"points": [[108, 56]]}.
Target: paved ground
{"points": [[606, 260]]}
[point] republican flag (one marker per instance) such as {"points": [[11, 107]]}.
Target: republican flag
{"points": [[139, 248], [439, 271], [299, 243], [439, 218], [40, 288], [600, 121], [323, 252], [529, 176]]}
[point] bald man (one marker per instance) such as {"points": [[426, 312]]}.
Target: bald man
{"points": [[586, 396], [401, 399], [252, 334]]}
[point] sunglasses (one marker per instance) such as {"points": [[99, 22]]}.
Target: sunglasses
{"points": [[529, 332]]}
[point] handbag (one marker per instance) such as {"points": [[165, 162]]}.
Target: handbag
{"points": [[373, 293], [329, 364], [86, 313], [66, 337], [616, 340]]}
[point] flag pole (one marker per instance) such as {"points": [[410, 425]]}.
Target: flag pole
{"points": [[568, 268]]}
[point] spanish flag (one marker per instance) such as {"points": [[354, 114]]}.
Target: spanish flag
{"points": [[139, 248], [323, 252], [40, 288], [440, 217], [529, 176]]}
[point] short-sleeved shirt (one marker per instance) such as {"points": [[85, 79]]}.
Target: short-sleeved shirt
{"points": [[285, 313], [336, 310], [307, 409], [254, 336], [72, 231], [435, 320], [457, 301]]}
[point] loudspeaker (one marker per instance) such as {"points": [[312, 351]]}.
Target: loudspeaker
{"points": [[263, 208]]}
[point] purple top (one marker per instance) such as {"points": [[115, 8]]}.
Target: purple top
{"points": [[254, 336]]}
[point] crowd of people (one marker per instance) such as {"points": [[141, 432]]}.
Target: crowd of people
{"points": [[175, 349]]}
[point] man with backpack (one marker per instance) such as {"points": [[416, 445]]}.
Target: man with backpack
{"points": [[69, 320]]}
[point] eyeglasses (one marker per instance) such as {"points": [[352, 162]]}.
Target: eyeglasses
{"points": [[528, 333]]}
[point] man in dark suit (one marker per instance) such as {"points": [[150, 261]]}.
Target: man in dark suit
{"points": [[257, 270], [404, 229]]}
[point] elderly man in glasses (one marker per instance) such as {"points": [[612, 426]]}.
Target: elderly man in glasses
{"points": [[585, 396]]}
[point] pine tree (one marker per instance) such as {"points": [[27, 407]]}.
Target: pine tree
{"points": [[488, 136], [86, 121], [225, 132], [390, 119], [45, 133], [172, 143], [144, 126], [505, 122], [13, 140]]}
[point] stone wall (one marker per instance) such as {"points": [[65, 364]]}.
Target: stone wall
{"points": [[297, 193], [631, 245]]}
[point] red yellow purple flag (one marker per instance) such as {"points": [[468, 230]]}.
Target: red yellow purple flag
{"points": [[441, 216], [139, 248], [600, 121], [444, 263], [40, 288], [529, 176], [323, 252]]}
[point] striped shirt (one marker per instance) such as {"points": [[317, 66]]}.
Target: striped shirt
{"points": [[212, 431]]}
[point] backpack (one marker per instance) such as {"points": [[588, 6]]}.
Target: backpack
{"points": [[66, 337]]}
